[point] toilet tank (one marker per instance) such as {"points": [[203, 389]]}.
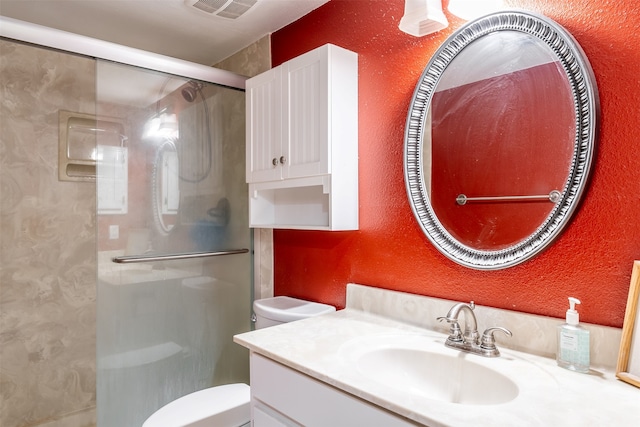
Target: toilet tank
{"points": [[277, 310]]}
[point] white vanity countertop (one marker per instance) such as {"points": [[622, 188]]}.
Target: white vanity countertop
{"points": [[548, 395]]}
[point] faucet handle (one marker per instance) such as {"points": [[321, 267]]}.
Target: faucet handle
{"points": [[455, 333], [488, 342]]}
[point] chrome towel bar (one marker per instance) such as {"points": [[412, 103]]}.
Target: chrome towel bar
{"points": [[170, 257], [553, 197]]}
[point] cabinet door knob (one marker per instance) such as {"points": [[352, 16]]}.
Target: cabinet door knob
{"points": [[274, 162], [283, 159]]}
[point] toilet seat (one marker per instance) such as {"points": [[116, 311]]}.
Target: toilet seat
{"points": [[226, 405]]}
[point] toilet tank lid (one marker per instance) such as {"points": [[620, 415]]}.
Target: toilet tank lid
{"points": [[287, 309], [226, 405]]}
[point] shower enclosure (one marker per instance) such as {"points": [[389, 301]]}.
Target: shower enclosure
{"points": [[126, 267], [173, 270]]}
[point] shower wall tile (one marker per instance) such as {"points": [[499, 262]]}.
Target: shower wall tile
{"points": [[251, 61], [47, 247], [85, 418], [265, 267]]}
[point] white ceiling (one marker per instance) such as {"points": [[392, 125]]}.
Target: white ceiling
{"points": [[167, 27]]}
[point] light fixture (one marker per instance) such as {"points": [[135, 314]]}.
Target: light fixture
{"points": [[422, 17], [161, 126], [472, 9]]}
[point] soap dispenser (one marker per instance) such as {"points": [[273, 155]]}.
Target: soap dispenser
{"points": [[573, 341]]}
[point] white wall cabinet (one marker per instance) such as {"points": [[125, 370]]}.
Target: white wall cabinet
{"points": [[302, 142], [283, 397]]}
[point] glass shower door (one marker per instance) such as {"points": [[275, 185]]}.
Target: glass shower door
{"points": [[170, 181]]}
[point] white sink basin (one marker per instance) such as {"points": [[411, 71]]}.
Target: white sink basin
{"points": [[420, 365], [447, 378]]}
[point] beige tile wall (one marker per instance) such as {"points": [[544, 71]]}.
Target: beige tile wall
{"points": [[47, 227], [252, 61]]}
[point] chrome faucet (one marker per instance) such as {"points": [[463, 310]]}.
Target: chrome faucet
{"points": [[470, 334], [469, 340]]}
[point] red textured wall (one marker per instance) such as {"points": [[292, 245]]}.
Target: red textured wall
{"points": [[593, 257]]}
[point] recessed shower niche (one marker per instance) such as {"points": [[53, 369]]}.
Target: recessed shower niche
{"points": [[86, 142]]}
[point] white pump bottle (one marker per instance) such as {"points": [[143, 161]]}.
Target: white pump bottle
{"points": [[573, 342]]}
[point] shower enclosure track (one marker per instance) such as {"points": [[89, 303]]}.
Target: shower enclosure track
{"points": [[39, 35], [170, 257]]}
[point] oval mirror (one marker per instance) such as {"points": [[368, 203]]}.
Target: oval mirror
{"points": [[166, 188], [499, 139]]}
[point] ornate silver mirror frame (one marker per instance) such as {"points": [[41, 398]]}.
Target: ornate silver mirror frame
{"points": [[586, 105]]}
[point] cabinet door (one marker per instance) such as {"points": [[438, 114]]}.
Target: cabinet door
{"points": [[264, 126], [263, 416], [283, 397], [306, 118]]}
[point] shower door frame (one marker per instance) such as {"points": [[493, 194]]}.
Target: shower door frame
{"points": [[99, 49]]}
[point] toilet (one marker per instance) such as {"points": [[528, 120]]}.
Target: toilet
{"points": [[228, 405]]}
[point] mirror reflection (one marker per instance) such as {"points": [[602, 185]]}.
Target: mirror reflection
{"points": [[166, 187], [501, 140], [181, 133]]}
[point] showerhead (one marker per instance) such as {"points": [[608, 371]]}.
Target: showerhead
{"points": [[190, 92]]}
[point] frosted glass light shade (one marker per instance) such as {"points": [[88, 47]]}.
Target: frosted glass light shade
{"points": [[422, 17], [472, 9], [163, 126]]}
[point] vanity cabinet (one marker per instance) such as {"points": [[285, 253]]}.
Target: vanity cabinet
{"points": [[283, 397], [302, 142]]}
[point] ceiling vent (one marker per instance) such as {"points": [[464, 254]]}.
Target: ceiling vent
{"points": [[230, 9]]}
